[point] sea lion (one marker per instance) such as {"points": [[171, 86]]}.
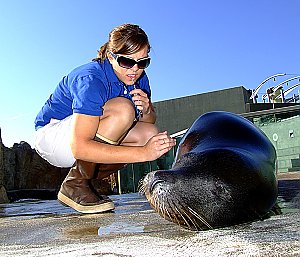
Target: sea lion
{"points": [[223, 174]]}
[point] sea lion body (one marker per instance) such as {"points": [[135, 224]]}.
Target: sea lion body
{"points": [[223, 174]]}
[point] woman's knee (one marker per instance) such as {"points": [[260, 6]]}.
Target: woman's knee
{"points": [[120, 110], [149, 131], [144, 131]]}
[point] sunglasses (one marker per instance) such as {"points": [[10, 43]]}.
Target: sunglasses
{"points": [[127, 63]]}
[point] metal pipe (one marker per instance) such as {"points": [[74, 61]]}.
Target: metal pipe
{"points": [[254, 93]]}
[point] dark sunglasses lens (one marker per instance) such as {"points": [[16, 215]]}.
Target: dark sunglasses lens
{"points": [[126, 62], [143, 64], [129, 63]]}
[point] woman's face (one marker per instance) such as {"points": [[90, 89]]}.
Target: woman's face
{"points": [[131, 75]]}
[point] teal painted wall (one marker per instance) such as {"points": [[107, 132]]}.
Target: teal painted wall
{"points": [[285, 136]]}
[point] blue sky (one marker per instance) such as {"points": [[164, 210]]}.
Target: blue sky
{"points": [[197, 46]]}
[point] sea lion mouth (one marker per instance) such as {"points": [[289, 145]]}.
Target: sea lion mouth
{"points": [[170, 205]]}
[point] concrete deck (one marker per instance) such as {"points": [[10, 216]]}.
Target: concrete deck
{"points": [[46, 228]]}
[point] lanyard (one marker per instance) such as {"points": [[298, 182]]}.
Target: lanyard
{"points": [[139, 112]]}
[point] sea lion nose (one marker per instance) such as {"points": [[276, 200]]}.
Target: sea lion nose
{"points": [[161, 177]]}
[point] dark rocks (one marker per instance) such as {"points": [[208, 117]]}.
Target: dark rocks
{"points": [[3, 195], [23, 170], [24, 174]]}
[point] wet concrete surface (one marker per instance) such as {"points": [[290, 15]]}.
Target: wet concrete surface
{"points": [[47, 228]]}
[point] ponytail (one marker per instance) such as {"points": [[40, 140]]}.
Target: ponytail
{"points": [[102, 53]]}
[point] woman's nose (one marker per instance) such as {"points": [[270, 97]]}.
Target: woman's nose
{"points": [[135, 67]]}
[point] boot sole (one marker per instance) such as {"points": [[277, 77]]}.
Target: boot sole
{"points": [[103, 207]]}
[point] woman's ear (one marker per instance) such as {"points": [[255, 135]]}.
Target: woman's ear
{"points": [[110, 57]]}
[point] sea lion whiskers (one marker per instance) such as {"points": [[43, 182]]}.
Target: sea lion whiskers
{"points": [[174, 218], [166, 209], [176, 212], [199, 217], [142, 187], [162, 210], [159, 204], [190, 218], [154, 200], [185, 221], [186, 210], [161, 207]]}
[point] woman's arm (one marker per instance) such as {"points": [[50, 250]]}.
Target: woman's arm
{"points": [[84, 147]]}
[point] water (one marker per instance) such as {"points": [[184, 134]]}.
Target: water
{"points": [[289, 195], [120, 227]]}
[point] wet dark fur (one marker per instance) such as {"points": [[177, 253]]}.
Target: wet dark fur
{"points": [[223, 174]]}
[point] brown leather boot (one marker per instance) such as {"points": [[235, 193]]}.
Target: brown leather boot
{"points": [[104, 170], [76, 192]]}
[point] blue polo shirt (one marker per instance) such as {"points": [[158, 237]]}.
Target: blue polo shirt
{"points": [[85, 90]]}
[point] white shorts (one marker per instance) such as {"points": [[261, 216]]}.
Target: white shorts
{"points": [[52, 142]]}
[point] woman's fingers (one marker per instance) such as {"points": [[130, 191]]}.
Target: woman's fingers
{"points": [[160, 144], [140, 99], [165, 140]]}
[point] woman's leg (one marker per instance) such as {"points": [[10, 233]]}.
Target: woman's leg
{"points": [[139, 134], [75, 191], [117, 119], [118, 125]]}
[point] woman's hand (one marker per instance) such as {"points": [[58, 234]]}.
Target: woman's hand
{"points": [[141, 100], [158, 145]]}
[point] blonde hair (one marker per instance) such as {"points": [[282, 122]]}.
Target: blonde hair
{"points": [[124, 39]]}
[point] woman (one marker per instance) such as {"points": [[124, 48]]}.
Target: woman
{"points": [[101, 113]]}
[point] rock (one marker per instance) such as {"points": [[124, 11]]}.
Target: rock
{"points": [[25, 169], [23, 173], [3, 195], [21, 168]]}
